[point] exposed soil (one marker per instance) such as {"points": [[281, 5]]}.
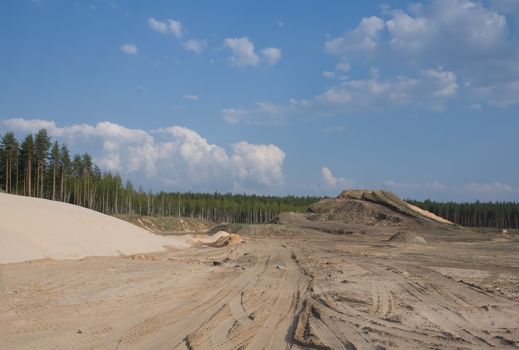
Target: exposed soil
{"points": [[286, 287], [297, 284]]}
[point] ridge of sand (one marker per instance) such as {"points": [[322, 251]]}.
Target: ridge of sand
{"points": [[33, 228]]}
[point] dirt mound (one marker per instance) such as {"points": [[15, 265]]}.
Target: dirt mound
{"points": [[370, 207], [407, 237]]}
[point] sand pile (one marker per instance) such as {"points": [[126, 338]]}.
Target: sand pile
{"points": [[407, 237], [32, 228]]}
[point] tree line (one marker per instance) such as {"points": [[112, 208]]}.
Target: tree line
{"points": [[39, 167], [477, 214]]}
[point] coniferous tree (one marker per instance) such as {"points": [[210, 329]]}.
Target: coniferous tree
{"points": [[9, 153], [27, 152]]}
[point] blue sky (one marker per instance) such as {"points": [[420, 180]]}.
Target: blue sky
{"points": [[420, 98]]}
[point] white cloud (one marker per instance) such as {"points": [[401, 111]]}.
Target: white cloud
{"points": [[191, 97], [363, 39], [129, 49], [195, 45], [459, 35], [427, 186], [335, 183], [488, 188], [272, 55], [158, 26], [343, 67], [431, 89], [242, 52], [175, 27], [328, 74], [261, 163], [164, 27], [262, 113], [175, 157]]}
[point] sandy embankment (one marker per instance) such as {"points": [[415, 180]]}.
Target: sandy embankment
{"points": [[32, 228]]}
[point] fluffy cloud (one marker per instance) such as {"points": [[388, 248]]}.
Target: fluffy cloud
{"points": [[363, 39], [129, 49], [195, 45], [272, 55], [164, 27], [335, 183], [243, 53], [173, 157], [459, 35]]}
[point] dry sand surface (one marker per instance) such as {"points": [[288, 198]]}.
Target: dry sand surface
{"points": [[286, 287], [383, 278], [32, 228]]}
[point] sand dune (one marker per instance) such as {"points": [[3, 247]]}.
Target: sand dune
{"points": [[32, 228]]}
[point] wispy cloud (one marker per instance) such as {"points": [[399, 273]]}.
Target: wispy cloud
{"points": [[195, 45], [191, 97], [130, 49]]}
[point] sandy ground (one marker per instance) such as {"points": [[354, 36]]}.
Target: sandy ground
{"points": [[32, 228], [284, 288]]}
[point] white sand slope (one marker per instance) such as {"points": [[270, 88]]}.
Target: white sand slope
{"points": [[32, 228]]}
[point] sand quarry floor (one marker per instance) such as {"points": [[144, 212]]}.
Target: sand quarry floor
{"points": [[284, 288]]}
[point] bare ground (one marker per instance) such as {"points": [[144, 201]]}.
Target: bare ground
{"points": [[285, 288]]}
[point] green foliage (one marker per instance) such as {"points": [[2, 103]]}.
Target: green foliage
{"points": [[79, 181]]}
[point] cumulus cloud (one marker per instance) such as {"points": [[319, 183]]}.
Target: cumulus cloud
{"points": [[362, 39], [195, 45], [243, 53], [335, 183], [129, 49], [169, 26], [173, 157], [459, 35]]}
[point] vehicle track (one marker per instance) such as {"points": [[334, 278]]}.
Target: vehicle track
{"points": [[276, 291]]}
